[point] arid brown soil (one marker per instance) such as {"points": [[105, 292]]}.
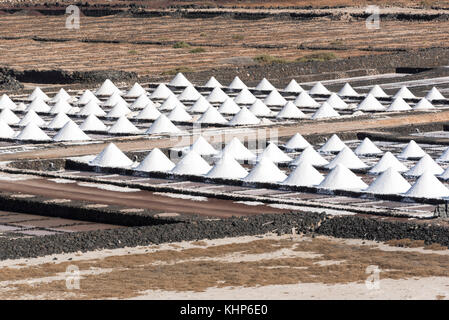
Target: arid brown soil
{"points": [[250, 264], [146, 45]]}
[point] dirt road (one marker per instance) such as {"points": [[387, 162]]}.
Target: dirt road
{"points": [[321, 127]]}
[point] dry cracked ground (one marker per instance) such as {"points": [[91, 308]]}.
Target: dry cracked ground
{"points": [[273, 267]]}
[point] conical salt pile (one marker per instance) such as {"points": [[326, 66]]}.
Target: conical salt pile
{"points": [[70, 132], [179, 114], [370, 103], [265, 85], [213, 83], [107, 89], [347, 91], [5, 130], [148, 113], [92, 123], [61, 106], [86, 97], [156, 160], [38, 105], [399, 104], [113, 100], [423, 104], [388, 160], [445, 174], [162, 125], [274, 99], [192, 163], [265, 171], [378, 92], [389, 182], [180, 81], [111, 156], [244, 117], [333, 144], [412, 151], [304, 175], [348, 159], [443, 158], [217, 96], [318, 88], [6, 102], [141, 102], [237, 150], [336, 102], [404, 93], [229, 107], [258, 108], [59, 121], [62, 95], [211, 116], [227, 168], [91, 108], [135, 91], [426, 163], [32, 132], [341, 178], [119, 110], [170, 103], [37, 93], [428, 186], [324, 112], [434, 94], [305, 100], [367, 147], [290, 111], [297, 142], [294, 87], [123, 126], [200, 105], [189, 94], [275, 154], [309, 155], [161, 92], [9, 117], [237, 84], [202, 147], [245, 97], [31, 117]]}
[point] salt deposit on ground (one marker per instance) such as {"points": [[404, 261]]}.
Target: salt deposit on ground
{"points": [[389, 182], [192, 163], [333, 144], [156, 160], [111, 156], [297, 142], [304, 175], [342, 178], [388, 160], [265, 171]]}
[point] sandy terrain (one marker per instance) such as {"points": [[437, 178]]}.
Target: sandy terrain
{"points": [[268, 267]]}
